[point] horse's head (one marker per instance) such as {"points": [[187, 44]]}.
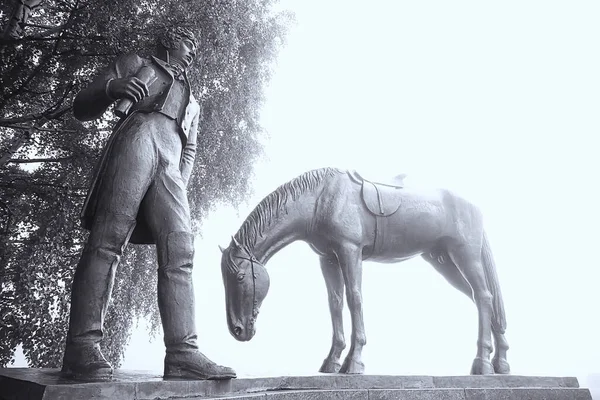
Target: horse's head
{"points": [[246, 285]]}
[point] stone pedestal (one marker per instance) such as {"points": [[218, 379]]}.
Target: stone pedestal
{"points": [[47, 384]]}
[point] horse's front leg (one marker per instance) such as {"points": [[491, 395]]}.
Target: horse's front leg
{"points": [[350, 259], [335, 293]]}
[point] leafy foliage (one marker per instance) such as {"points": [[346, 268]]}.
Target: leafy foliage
{"points": [[47, 157]]}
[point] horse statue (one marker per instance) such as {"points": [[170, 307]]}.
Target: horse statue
{"points": [[346, 220]]}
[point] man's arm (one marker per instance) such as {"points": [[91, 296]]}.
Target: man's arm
{"points": [[115, 82], [189, 151]]}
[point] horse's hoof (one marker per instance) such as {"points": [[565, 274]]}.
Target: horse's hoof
{"points": [[352, 367], [482, 367], [330, 367], [501, 366]]}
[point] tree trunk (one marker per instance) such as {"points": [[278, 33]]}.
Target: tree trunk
{"points": [[18, 18]]}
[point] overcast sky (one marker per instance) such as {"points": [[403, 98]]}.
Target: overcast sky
{"points": [[498, 101]]}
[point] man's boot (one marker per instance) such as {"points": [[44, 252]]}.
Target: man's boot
{"points": [[176, 304], [91, 290]]}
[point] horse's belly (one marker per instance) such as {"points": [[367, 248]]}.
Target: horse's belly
{"points": [[390, 258], [399, 238]]}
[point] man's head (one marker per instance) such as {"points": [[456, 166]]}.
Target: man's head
{"points": [[180, 45]]}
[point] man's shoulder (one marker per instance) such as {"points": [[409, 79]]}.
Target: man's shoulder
{"points": [[132, 59]]}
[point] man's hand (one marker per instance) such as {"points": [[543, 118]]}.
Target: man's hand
{"points": [[131, 88]]}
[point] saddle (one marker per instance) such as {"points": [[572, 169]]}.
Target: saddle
{"points": [[381, 199]]}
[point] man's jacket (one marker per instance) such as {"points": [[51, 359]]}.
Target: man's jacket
{"points": [[91, 102]]}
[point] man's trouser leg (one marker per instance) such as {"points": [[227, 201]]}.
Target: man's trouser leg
{"points": [[124, 182], [169, 219], [91, 290]]}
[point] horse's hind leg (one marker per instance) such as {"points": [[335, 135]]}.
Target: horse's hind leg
{"points": [[444, 265], [335, 293], [468, 260]]}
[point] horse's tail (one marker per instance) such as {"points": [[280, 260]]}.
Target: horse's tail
{"points": [[489, 267]]}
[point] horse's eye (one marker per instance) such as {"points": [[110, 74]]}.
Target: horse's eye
{"points": [[240, 277]]}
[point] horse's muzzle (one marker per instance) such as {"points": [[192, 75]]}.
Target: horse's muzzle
{"points": [[240, 333]]}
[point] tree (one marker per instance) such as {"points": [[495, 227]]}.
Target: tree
{"points": [[47, 157]]}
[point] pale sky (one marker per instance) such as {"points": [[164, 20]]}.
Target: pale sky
{"points": [[497, 101]]}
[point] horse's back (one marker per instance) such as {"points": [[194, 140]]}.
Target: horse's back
{"points": [[426, 218], [396, 222]]}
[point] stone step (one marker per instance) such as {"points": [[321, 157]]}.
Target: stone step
{"points": [[48, 384], [419, 394]]}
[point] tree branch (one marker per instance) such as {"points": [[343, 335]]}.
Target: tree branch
{"points": [[27, 183], [81, 53], [38, 160], [31, 76], [29, 241], [34, 38], [48, 114], [46, 59], [36, 92], [35, 128], [61, 33], [43, 26], [26, 135], [15, 146]]}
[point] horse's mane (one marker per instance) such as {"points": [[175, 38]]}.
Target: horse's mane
{"points": [[270, 207]]}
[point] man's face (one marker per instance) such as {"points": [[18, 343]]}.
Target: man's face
{"points": [[185, 53]]}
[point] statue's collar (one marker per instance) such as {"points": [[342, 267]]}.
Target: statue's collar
{"points": [[167, 67]]}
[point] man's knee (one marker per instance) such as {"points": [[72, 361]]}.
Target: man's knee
{"points": [[175, 250], [111, 232]]}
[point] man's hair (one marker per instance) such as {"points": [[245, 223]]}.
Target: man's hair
{"points": [[171, 38]]}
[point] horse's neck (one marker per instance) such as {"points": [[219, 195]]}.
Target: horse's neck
{"points": [[285, 229]]}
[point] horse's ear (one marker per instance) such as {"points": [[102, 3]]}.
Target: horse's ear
{"points": [[222, 249]]}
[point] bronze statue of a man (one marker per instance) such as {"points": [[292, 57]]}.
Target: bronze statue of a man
{"points": [[139, 196]]}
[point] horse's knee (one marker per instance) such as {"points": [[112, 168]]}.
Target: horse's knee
{"points": [[336, 300]]}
